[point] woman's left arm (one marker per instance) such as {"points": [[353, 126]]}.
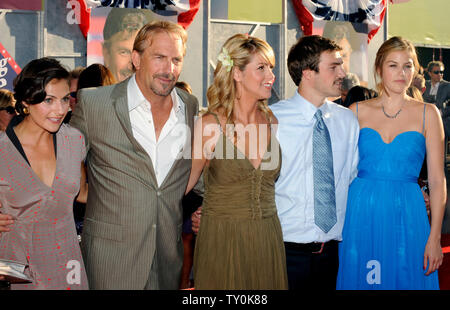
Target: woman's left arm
{"points": [[434, 134]]}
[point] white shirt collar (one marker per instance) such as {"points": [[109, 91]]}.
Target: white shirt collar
{"points": [[435, 84], [307, 109], [136, 98]]}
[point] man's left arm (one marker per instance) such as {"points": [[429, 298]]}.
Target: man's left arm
{"points": [[78, 119]]}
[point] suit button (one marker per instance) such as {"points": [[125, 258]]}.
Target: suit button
{"points": [[154, 226], [158, 193]]}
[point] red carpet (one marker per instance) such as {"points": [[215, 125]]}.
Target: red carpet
{"points": [[444, 270]]}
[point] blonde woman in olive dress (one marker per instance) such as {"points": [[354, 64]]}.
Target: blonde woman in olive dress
{"points": [[240, 244]]}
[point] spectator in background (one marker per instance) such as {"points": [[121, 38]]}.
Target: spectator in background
{"points": [[73, 80], [73, 85], [119, 32], [94, 76], [438, 92], [350, 80], [357, 94], [419, 83], [417, 87], [437, 89], [7, 112], [184, 86]]}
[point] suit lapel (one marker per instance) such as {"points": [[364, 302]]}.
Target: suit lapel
{"points": [[441, 90], [120, 104], [427, 88]]}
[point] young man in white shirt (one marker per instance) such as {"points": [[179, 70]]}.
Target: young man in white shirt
{"points": [[316, 67]]}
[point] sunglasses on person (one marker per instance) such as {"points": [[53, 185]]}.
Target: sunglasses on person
{"points": [[438, 72], [73, 94], [10, 110]]}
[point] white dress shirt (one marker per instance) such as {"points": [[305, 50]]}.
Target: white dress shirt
{"points": [[172, 138], [294, 189], [434, 88]]}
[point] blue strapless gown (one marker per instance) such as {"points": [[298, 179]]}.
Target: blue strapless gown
{"points": [[386, 225]]}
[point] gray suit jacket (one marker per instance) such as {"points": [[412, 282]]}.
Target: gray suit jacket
{"points": [[132, 228], [442, 95]]}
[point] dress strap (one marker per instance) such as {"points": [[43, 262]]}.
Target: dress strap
{"points": [[215, 116], [423, 122], [217, 119], [269, 120]]}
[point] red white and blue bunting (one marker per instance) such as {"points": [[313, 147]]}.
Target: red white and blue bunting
{"points": [[184, 10], [370, 12]]}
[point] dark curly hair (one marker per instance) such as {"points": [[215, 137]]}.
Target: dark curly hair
{"points": [[29, 85], [305, 54]]}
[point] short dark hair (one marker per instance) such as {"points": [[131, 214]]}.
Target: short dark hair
{"points": [[94, 76], [75, 73], [305, 54], [184, 86], [29, 85], [359, 93], [6, 100]]}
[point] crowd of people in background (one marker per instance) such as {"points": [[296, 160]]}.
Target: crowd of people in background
{"points": [[105, 166]]}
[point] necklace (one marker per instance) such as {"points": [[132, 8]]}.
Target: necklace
{"points": [[391, 116]]}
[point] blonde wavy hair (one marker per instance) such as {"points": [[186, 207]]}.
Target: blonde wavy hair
{"points": [[392, 45], [223, 92]]}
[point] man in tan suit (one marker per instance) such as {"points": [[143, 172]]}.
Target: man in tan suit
{"points": [[138, 136]]}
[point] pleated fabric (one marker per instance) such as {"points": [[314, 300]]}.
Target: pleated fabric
{"points": [[386, 225], [240, 243]]}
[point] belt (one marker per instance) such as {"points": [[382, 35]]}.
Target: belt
{"points": [[313, 247]]}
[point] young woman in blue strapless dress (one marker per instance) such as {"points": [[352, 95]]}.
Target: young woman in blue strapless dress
{"points": [[387, 239]]}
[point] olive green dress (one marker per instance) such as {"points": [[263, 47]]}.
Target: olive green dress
{"points": [[240, 243]]}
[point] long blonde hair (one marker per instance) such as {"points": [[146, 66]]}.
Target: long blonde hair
{"points": [[223, 92], [392, 45]]}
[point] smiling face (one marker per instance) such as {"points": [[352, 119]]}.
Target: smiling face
{"points": [[397, 71], [159, 66], [328, 81], [50, 113], [256, 80]]}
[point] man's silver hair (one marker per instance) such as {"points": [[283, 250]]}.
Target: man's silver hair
{"points": [[349, 81]]}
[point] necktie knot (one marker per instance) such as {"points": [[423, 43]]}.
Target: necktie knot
{"points": [[318, 115], [319, 120]]}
